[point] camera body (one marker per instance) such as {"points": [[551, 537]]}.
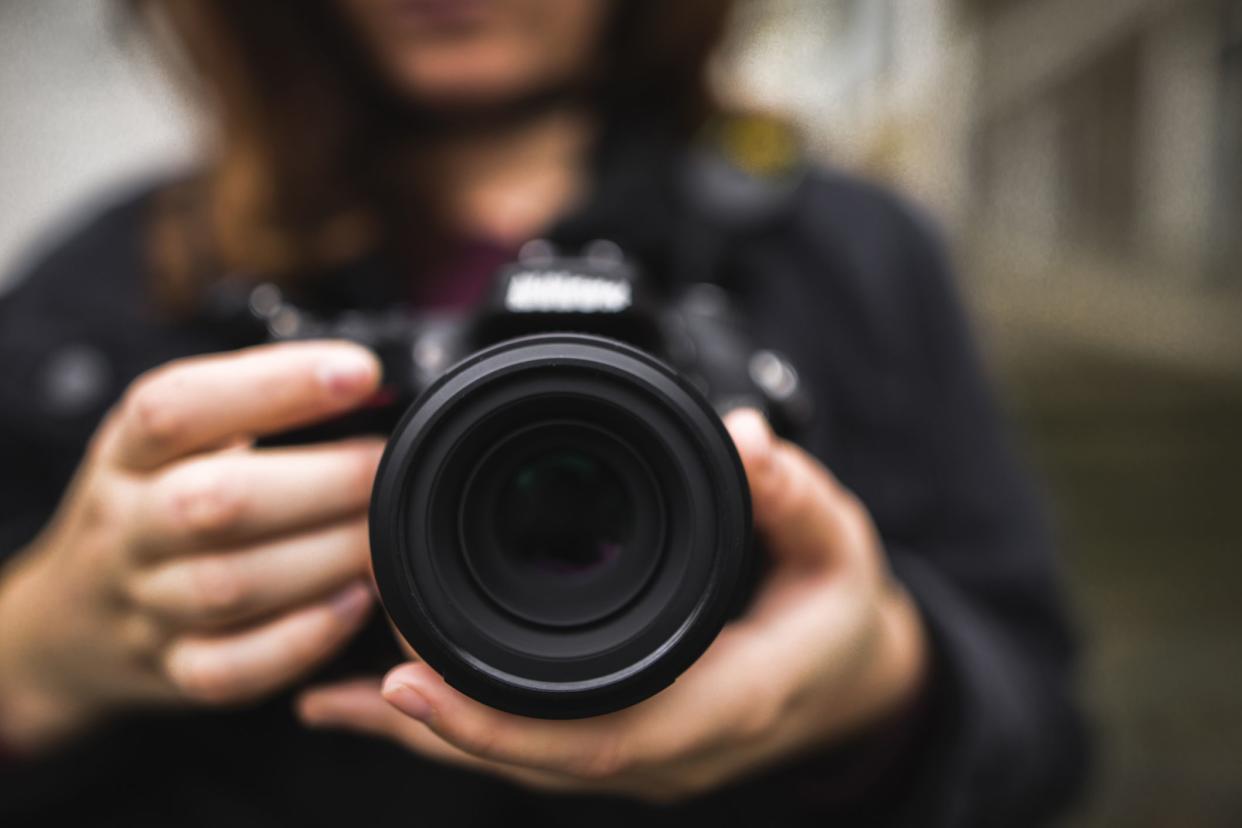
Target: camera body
{"points": [[560, 524], [698, 330]]}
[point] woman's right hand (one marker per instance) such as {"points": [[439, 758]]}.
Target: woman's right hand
{"points": [[184, 565]]}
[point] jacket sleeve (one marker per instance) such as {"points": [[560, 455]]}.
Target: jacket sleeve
{"points": [[35, 458], [67, 324], [1005, 742]]}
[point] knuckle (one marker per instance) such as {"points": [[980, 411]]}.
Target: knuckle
{"points": [[206, 502], [101, 541], [202, 678], [477, 740], [310, 646], [107, 507], [140, 638], [151, 408], [215, 588]]}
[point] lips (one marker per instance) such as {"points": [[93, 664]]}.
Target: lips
{"points": [[436, 14]]}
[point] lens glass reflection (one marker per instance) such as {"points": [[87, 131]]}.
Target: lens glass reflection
{"points": [[564, 512]]}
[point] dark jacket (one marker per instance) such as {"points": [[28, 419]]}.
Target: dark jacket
{"points": [[843, 278]]}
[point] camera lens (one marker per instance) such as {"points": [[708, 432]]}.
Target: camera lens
{"points": [[561, 520], [564, 513], [560, 526]]}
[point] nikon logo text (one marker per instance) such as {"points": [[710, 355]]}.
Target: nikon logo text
{"points": [[561, 291]]}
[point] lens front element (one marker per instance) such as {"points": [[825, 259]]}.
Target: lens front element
{"points": [[563, 513], [562, 522]]}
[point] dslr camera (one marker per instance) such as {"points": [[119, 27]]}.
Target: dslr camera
{"points": [[560, 524]]}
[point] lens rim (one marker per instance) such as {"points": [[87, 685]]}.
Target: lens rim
{"points": [[708, 548]]}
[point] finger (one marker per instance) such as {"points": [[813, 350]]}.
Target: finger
{"points": [[244, 666], [204, 402], [229, 497], [801, 510], [224, 588], [485, 733], [732, 702], [702, 714], [358, 706]]}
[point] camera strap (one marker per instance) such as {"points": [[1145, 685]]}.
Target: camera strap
{"points": [[738, 179]]}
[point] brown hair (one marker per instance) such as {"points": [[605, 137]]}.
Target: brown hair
{"points": [[302, 171]]}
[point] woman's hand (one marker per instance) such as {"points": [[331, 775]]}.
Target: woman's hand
{"points": [[830, 646], [185, 565]]}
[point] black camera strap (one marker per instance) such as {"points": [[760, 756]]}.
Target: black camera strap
{"points": [[739, 179]]}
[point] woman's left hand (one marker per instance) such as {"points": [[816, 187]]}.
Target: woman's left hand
{"points": [[831, 645]]}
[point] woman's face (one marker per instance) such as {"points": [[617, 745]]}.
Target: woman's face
{"points": [[472, 53]]}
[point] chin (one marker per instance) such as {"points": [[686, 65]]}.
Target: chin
{"points": [[463, 84], [460, 96]]}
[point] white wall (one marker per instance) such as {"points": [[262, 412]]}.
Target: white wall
{"points": [[83, 112], [882, 87]]}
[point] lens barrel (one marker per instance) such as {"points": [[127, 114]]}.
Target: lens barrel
{"points": [[560, 526]]}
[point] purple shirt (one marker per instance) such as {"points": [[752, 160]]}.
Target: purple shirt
{"points": [[459, 277]]}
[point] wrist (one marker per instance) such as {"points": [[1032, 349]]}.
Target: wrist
{"points": [[886, 678], [903, 660], [34, 714], [878, 753], [895, 674]]}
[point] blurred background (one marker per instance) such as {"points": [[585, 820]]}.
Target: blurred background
{"points": [[1084, 158]]}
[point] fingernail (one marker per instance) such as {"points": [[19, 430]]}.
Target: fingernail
{"points": [[352, 602], [750, 431], [347, 371], [408, 700]]}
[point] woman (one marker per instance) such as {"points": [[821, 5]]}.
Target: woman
{"points": [[184, 618]]}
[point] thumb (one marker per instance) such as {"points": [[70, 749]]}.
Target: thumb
{"points": [[803, 514]]}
